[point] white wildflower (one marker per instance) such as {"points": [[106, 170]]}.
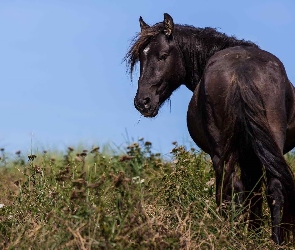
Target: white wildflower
{"points": [[137, 180]]}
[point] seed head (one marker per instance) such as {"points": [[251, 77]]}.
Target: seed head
{"points": [[125, 158], [32, 157], [94, 150], [70, 149], [83, 154]]}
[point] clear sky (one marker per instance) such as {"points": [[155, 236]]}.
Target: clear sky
{"points": [[62, 77]]}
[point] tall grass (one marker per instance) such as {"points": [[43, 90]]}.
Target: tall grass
{"points": [[132, 200]]}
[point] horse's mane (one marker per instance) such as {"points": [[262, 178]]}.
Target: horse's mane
{"points": [[206, 40]]}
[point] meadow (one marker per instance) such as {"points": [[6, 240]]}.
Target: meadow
{"points": [[133, 198]]}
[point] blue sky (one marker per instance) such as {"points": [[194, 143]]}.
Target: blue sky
{"points": [[62, 77]]}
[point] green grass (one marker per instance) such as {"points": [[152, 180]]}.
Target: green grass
{"points": [[131, 200]]}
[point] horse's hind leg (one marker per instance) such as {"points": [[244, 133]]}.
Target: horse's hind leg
{"points": [[222, 176], [218, 179], [251, 175], [275, 195], [228, 184], [275, 200], [238, 188]]}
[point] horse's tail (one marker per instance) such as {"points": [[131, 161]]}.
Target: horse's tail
{"points": [[247, 129]]}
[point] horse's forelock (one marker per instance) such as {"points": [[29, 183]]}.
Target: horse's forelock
{"points": [[138, 43]]}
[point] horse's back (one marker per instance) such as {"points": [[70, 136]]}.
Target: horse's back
{"points": [[262, 67]]}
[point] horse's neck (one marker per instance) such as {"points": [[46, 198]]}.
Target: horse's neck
{"points": [[196, 59], [197, 50]]}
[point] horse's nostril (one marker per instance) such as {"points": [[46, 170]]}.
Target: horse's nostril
{"points": [[146, 100]]}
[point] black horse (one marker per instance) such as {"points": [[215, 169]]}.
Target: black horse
{"points": [[242, 112]]}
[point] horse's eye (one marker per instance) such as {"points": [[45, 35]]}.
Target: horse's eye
{"points": [[163, 57]]}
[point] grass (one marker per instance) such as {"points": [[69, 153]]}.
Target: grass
{"points": [[85, 199]]}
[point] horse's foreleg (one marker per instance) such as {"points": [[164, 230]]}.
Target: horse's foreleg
{"points": [[275, 200]]}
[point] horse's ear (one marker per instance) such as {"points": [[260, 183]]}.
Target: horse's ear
{"points": [[143, 24], [168, 24]]}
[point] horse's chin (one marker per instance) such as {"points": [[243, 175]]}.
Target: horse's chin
{"points": [[151, 113]]}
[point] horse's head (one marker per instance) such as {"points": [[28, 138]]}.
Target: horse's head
{"points": [[161, 65]]}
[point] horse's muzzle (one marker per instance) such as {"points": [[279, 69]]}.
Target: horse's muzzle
{"points": [[145, 107]]}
